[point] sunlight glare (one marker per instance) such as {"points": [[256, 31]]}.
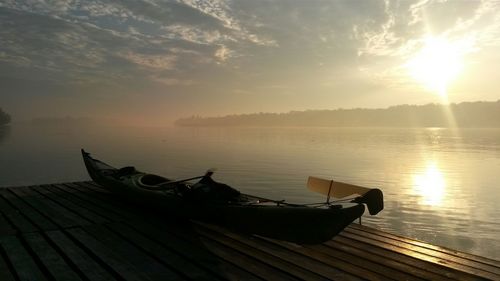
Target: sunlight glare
{"points": [[430, 185], [437, 64]]}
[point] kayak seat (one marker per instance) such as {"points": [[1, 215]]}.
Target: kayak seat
{"points": [[152, 180], [125, 171]]}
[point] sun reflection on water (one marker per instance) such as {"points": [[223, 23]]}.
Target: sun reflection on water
{"points": [[430, 185]]}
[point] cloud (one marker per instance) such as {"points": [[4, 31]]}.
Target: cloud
{"points": [[173, 81], [194, 35], [223, 53], [161, 62], [16, 60], [221, 11], [93, 40]]}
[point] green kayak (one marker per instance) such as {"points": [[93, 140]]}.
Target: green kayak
{"points": [[214, 202]]}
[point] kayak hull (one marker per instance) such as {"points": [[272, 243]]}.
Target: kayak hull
{"points": [[289, 222]]}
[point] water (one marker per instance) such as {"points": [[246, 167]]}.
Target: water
{"points": [[440, 185]]}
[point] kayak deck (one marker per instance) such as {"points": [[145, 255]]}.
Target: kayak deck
{"points": [[78, 231]]}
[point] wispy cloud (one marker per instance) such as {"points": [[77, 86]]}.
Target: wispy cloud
{"points": [[223, 53], [161, 62], [82, 36]]}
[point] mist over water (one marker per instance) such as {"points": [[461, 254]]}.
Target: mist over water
{"points": [[440, 185]]}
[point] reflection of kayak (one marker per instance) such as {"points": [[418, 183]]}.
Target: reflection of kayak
{"points": [[210, 201]]}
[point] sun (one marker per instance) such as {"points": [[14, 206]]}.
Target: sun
{"points": [[437, 64]]}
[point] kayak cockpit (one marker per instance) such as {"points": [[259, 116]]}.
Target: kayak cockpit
{"points": [[150, 180]]}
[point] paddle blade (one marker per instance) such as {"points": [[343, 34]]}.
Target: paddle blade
{"points": [[338, 189], [319, 185], [372, 197]]}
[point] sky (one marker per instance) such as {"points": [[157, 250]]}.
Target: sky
{"points": [[152, 61]]}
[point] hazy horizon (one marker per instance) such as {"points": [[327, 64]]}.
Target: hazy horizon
{"points": [[89, 120], [144, 61]]}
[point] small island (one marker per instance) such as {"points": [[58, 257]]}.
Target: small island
{"points": [[4, 118]]}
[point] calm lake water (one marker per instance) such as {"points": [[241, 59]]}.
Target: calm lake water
{"points": [[440, 185]]}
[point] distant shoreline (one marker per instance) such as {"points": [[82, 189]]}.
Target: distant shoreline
{"points": [[465, 115]]}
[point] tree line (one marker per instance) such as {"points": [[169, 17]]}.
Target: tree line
{"points": [[4, 118], [466, 114]]}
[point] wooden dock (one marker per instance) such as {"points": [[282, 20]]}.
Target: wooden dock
{"points": [[78, 231]]}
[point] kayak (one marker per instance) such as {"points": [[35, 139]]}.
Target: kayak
{"points": [[213, 202]]}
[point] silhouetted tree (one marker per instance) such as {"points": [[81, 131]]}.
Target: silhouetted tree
{"points": [[4, 118]]}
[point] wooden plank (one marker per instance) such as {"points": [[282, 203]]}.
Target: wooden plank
{"points": [[7, 272], [250, 264], [190, 247], [52, 261], [277, 263], [90, 185], [92, 203], [422, 248], [297, 260], [427, 270], [140, 261], [51, 211], [13, 214], [106, 200], [6, 227], [119, 265], [87, 266], [189, 268], [68, 214], [23, 263], [426, 257], [414, 242], [299, 265], [380, 265], [331, 261], [83, 212]]}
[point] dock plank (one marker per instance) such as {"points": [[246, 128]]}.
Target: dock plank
{"points": [[118, 264], [426, 270], [23, 263], [61, 199], [440, 249], [189, 246], [91, 203], [47, 209], [6, 227], [48, 256], [424, 254], [262, 270], [167, 256], [79, 231], [5, 267], [139, 260], [89, 267], [9, 207], [298, 262], [435, 251], [261, 256]]}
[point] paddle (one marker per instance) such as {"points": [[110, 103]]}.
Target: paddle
{"points": [[372, 197], [209, 173]]}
